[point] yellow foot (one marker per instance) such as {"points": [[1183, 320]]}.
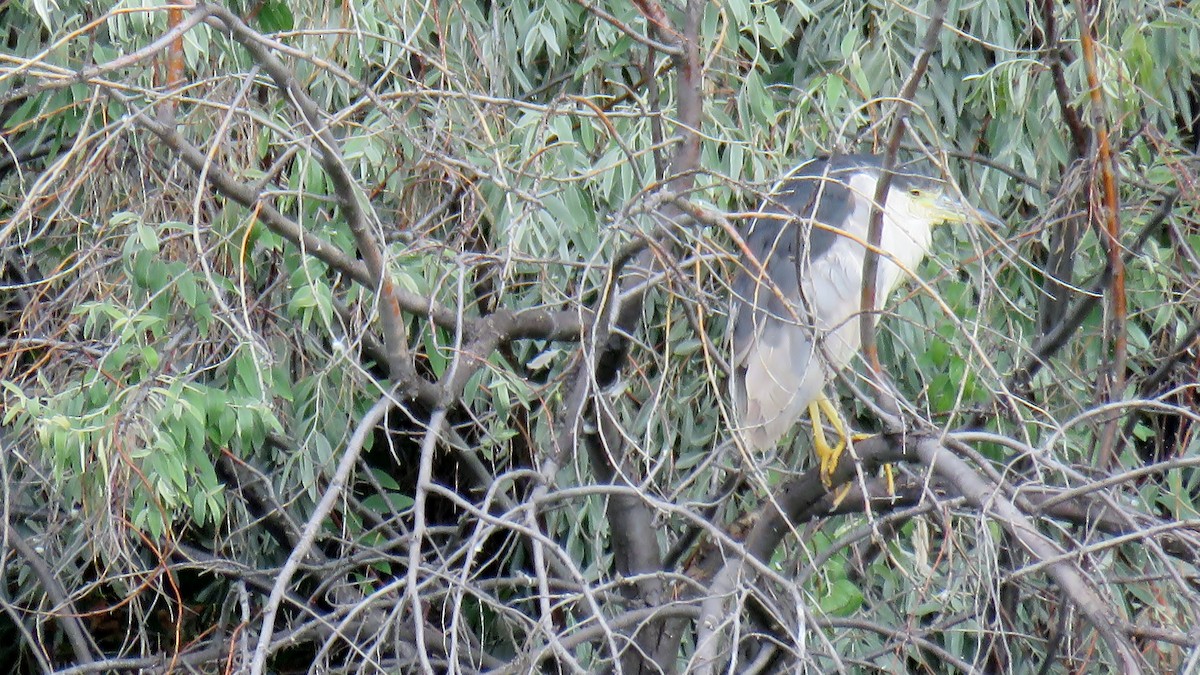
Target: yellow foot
{"points": [[844, 490], [840, 495], [828, 455], [889, 473]]}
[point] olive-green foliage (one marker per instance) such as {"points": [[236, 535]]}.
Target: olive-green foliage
{"points": [[506, 149]]}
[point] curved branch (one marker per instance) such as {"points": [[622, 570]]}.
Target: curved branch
{"points": [[870, 271], [991, 501], [328, 500], [65, 612], [1053, 49], [369, 243]]}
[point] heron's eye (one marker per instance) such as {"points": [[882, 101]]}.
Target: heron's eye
{"points": [[915, 192]]}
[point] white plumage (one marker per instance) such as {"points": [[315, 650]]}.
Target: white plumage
{"points": [[812, 254]]}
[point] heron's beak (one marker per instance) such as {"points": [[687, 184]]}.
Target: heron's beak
{"points": [[951, 210]]}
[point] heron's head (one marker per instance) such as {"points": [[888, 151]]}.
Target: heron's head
{"points": [[929, 201]]}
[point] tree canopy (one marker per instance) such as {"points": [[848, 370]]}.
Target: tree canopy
{"points": [[390, 336]]}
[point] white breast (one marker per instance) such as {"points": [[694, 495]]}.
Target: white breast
{"points": [[835, 281]]}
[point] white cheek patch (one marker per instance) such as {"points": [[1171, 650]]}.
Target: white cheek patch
{"points": [[863, 186], [899, 202]]}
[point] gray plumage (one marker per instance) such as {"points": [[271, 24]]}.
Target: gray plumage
{"points": [[815, 231]]}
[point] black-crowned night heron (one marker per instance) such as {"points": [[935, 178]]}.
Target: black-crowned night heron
{"points": [[795, 305]]}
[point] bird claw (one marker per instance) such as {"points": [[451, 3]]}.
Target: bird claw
{"points": [[889, 474], [829, 456], [839, 496]]}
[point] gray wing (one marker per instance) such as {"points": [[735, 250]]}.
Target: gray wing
{"points": [[775, 376]]}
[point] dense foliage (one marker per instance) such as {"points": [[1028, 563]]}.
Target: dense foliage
{"points": [[390, 336]]}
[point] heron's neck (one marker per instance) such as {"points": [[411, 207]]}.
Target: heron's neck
{"points": [[907, 246], [905, 237]]}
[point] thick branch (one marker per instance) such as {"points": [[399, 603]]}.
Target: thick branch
{"points": [[1109, 229], [990, 500], [64, 610], [616, 320], [368, 241]]}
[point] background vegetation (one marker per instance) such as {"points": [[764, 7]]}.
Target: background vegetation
{"points": [[390, 337]]}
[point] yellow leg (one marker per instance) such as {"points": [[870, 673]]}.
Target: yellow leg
{"points": [[828, 456]]}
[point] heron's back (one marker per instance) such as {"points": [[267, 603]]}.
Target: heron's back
{"points": [[790, 336]]}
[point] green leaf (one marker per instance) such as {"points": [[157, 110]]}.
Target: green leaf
{"points": [[843, 598], [835, 89], [740, 9], [1142, 431], [188, 289], [773, 27], [760, 100], [550, 38], [147, 237], [274, 16]]}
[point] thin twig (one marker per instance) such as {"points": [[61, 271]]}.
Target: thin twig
{"points": [[870, 271], [1113, 381], [990, 501], [366, 426]]}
